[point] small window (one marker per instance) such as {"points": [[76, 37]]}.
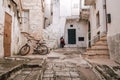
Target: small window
{"points": [[71, 25], [9, 6], [81, 39], [98, 19]]}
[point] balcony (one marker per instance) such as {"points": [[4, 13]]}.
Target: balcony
{"points": [[84, 15], [89, 2]]}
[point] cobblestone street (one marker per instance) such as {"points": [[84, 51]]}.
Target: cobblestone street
{"points": [[67, 64], [60, 64]]}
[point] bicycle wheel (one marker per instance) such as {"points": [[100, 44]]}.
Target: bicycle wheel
{"points": [[24, 50], [42, 49]]}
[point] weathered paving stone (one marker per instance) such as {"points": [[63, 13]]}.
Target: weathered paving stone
{"points": [[27, 69], [64, 74], [25, 72], [65, 69], [70, 65], [76, 79], [48, 72], [74, 74], [62, 78], [73, 69], [36, 69], [58, 64], [49, 65], [46, 78], [57, 68], [33, 75], [48, 75], [20, 77]]}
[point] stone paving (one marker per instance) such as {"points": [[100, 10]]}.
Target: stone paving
{"points": [[61, 71], [32, 70], [63, 64]]}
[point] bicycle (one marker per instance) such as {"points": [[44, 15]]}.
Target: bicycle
{"points": [[39, 49]]}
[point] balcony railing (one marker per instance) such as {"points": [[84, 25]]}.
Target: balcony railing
{"points": [[89, 2], [84, 14]]}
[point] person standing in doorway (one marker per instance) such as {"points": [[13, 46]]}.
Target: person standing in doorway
{"points": [[62, 42]]}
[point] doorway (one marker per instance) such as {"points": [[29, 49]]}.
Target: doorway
{"points": [[7, 35], [71, 36], [89, 35]]}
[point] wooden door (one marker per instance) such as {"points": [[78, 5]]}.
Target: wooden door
{"points": [[71, 36], [7, 35]]}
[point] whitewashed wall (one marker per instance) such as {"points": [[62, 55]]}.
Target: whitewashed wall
{"points": [[70, 8], [114, 29], [93, 11], [113, 9], [81, 31], [36, 17], [15, 29], [1, 28], [61, 12]]}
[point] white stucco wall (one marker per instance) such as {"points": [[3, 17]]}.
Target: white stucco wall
{"points": [[16, 42], [81, 31], [15, 31], [60, 12], [48, 13], [113, 9], [1, 28], [70, 8], [48, 8], [93, 11], [114, 29], [36, 17]]}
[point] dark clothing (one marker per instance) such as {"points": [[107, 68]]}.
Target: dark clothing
{"points": [[62, 42]]}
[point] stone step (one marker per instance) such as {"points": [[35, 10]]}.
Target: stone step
{"points": [[107, 72], [99, 47], [94, 53], [97, 52], [101, 42], [95, 56], [104, 37]]}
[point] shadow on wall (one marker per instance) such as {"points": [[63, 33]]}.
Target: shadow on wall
{"points": [[114, 47]]}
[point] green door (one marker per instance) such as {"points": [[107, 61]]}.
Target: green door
{"points": [[71, 36]]}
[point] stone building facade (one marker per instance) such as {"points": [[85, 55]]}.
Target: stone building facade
{"points": [[104, 19], [64, 16], [16, 17], [33, 17], [113, 24], [9, 28]]}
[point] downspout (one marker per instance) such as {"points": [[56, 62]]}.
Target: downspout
{"points": [[105, 7]]}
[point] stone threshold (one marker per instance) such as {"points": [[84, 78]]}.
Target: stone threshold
{"points": [[12, 71]]}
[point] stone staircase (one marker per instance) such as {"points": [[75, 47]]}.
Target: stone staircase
{"points": [[98, 50]]}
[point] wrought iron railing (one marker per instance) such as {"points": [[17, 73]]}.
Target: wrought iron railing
{"points": [[97, 37]]}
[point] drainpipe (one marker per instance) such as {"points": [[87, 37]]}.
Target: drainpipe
{"points": [[105, 7]]}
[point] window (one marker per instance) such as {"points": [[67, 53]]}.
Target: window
{"points": [[80, 38], [98, 20], [71, 25]]}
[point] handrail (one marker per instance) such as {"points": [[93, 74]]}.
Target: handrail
{"points": [[97, 37]]}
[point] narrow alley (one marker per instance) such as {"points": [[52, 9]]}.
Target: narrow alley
{"points": [[59, 64], [59, 40]]}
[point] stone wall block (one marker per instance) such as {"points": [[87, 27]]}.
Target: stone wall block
{"points": [[114, 47]]}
